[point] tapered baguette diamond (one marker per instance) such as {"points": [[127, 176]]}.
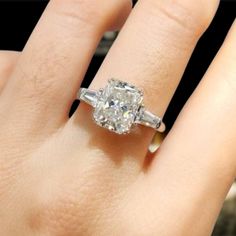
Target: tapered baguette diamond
{"points": [[117, 106]]}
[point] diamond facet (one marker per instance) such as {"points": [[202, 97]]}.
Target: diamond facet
{"points": [[117, 106]]}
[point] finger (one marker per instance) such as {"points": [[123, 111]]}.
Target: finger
{"points": [[8, 60], [151, 52], [57, 55], [199, 154]]}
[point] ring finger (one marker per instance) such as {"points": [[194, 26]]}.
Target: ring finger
{"points": [[151, 52]]}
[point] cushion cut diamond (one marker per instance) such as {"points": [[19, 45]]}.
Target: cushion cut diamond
{"points": [[117, 106]]}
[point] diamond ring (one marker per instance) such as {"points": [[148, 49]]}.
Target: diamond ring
{"points": [[119, 107]]}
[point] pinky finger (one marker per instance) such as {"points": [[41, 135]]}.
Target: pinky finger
{"points": [[197, 160], [8, 60]]}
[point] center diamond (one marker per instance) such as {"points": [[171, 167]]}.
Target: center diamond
{"points": [[117, 106]]}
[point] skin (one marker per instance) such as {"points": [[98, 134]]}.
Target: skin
{"points": [[61, 176]]}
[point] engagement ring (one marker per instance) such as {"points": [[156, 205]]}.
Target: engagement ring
{"points": [[119, 107]]}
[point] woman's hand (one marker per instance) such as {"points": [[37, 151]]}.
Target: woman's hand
{"points": [[61, 176]]}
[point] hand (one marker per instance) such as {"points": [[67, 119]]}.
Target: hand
{"points": [[61, 176]]}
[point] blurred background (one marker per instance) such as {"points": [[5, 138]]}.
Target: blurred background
{"points": [[18, 18]]}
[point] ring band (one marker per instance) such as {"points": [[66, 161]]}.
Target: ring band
{"points": [[119, 107]]}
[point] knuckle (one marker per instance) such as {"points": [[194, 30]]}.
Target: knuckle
{"points": [[62, 213], [70, 210], [84, 12], [39, 81], [91, 12], [194, 17]]}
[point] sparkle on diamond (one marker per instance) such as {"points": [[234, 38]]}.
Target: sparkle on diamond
{"points": [[117, 106]]}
